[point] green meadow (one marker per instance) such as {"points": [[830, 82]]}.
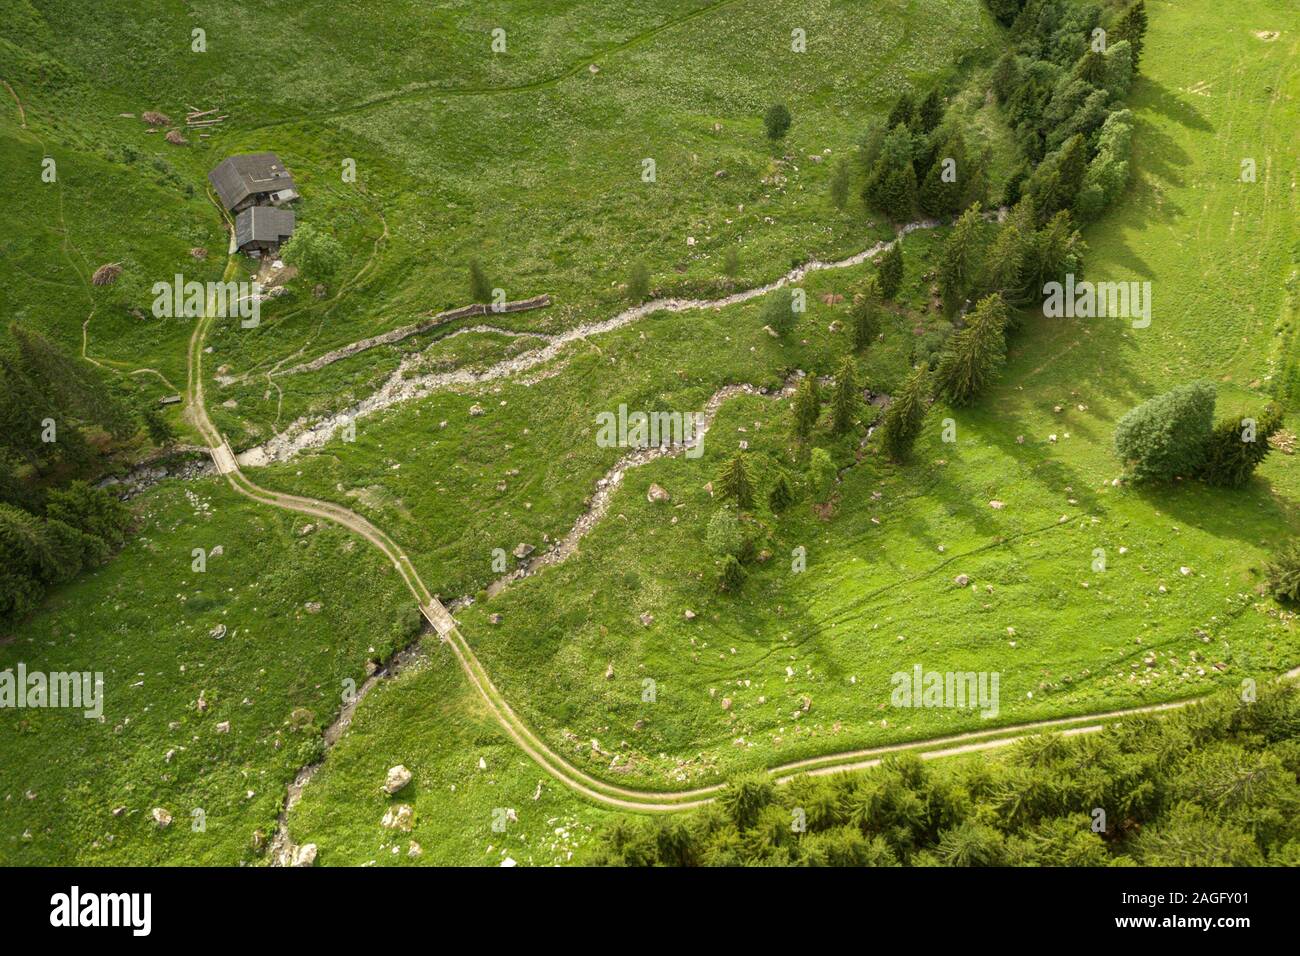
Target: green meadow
{"points": [[1007, 544]]}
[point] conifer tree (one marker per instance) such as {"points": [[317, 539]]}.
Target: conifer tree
{"points": [[736, 484], [930, 113], [905, 415], [1057, 182], [844, 400], [945, 184], [1132, 26], [781, 495], [891, 186], [807, 406], [959, 262], [890, 276], [1236, 448], [864, 320], [732, 577], [973, 355], [71, 386], [904, 111]]}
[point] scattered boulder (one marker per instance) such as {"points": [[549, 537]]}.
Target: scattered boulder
{"points": [[689, 615], [961, 580], [609, 671], [161, 817], [657, 494], [398, 777], [476, 410], [304, 855], [400, 817], [218, 631], [647, 619], [494, 618], [523, 550], [223, 727]]}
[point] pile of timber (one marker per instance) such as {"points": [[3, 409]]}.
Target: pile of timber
{"points": [[203, 119]]}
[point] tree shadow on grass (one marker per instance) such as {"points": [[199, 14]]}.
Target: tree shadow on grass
{"points": [[1154, 95], [1253, 515]]}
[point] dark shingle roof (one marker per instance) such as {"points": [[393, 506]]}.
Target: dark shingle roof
{"points": [[238, 177], [263, 224]]}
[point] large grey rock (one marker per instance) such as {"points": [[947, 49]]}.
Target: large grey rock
{"points": [[398, 777]]}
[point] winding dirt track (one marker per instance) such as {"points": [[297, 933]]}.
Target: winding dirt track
{"points": [[577, 780]]}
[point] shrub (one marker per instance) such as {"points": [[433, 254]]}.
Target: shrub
{"points": [[724, 535], [314, 252], [408, 623], [1283, 574], [1167, 436], [776, 121], [778, 311]]}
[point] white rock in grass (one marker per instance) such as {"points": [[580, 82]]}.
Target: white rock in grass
{"points": [[304, 855], [161, 817], [400, 817], [398, 777]]}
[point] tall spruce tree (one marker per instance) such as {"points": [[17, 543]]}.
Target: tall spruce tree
{"points": [[735, 482], [906, 414], [973, 355], [1132, 26], [844, 400], [891, 185], [890, 276], [807, 406], [959, 263], [929, 114], [780, 496], [864, 320], [945, 184], [1238, 446]]}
